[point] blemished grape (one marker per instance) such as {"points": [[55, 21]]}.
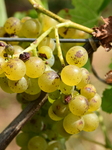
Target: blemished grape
{"points": [[77, 55], [95, 102], [31, 28], [49, 81], [73, 124], [50, 61], [35, 67], [71, 75], [79, 105], [52, 115], [14, 69], [18, 86], [88, 91], [12, 25], [45, 52], [66, 32], [37, 143], [91, 122], [85, 78]]}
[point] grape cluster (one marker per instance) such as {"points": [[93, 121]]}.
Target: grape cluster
{"points": [[72, 99]]}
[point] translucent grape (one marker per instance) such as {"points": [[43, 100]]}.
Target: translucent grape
{"points": [[85, 78], [54, 145], [79, 105], [14, 69], [91, 121], [88, 91], [77, 55], [50, 61], [52, 115], [66, 32], [95, 102], [73, 124], [18, 86], [34, 67], [49, 81], [45, 52], [37, 143], [71, 75]]}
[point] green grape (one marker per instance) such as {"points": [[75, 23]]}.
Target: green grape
{"points": [[65, 89], [95, 102], [24, 148], [35, 67], [54, 145], [53, 96], [48, 68], [9, 49], [79, 105], [45, 52], [30, 97], [49, 81], [50, 61], [4, 85], [47, 41], [73, 124], [18, 86], [75, 93], [33, 87], [15, 69], [22, 139], [91, 122], [2, 63], [71, 75], [85, 78], [60, 109], [50, 134], [25, 18], [20, 99], [66, 32], [37, 143], [52, 115], [31, 28], [88, 91], [77, 55]]}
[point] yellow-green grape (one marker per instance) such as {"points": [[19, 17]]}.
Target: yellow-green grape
{"points": [[2, 63], [12, 25], [75, 93], [45, 52], [91, 121], [18, 86], [53, 96], [17, 49], [71, 75], [85, 78], [73, 124], [60, 109], [88, 91], [4, 85], [79, 105], [25, 18], [24, 148], [30, 97], [35, 67], [95, 102], [54, 145], [33, 87], [14, 69], [37, 143], [47, 41], [77, 55], [31, 28], [66, 32], [65, 89], [52, 115], [49, 81], [50, 61], [2, 31]]}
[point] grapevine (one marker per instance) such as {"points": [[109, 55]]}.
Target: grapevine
{"points": [[50, 79]]}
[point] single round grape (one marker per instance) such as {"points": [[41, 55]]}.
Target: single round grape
{"points": [[49, 81], [37, 143], [12, 25], [25, 18], [95, 102], [53, 96], [45, 52], [30, 97], [15, 69], [52, 115], [85, 78], [18, 86], [2, 63], [50, 61], [73, 124], [17, 49], [91, 121], [54, 145], [79, 105], [71, 75], [88, 91], [22, 139], [77, 55], [66, 32], [31, 28], [35, 67]]}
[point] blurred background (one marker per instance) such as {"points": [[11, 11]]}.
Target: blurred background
{"points": [[9, 107]]}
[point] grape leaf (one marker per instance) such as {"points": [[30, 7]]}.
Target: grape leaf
{"points": [[107, 100], [85, 12]]}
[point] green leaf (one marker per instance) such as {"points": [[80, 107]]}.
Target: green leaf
{"points": [[103, 6], [107, 100]]}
